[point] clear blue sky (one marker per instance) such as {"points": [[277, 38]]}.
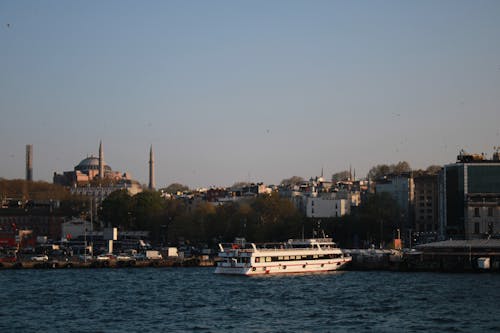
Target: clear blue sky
{"points": [[230, 91]]}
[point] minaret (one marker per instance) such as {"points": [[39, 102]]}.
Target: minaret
{"points": [[151, 169], [101, 161]]}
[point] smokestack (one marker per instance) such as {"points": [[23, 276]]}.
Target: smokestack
{"points": [[29, 162]]}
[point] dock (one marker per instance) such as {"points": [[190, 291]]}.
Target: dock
{"points": [[480, 255]]}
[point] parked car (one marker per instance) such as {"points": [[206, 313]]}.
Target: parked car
{"points": [[8, 259], [40, 257], [105, 257], [124, 257], [87, 257], [140, 256]]}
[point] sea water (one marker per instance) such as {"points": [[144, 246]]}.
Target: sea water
{"points": [[196, 300]]}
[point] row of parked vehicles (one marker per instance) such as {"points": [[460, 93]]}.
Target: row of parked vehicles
{"points": [[147, 255]]}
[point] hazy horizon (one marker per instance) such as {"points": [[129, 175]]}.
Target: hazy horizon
{"points": [[255, 91]]}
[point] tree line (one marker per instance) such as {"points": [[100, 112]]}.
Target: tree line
{"points": [[267, 218]]}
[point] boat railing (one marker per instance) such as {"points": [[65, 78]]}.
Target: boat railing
{"points": [[247, 247], [321, 243], [311, 241], [252, 247]]}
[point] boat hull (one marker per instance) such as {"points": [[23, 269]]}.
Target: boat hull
{"points": [[299, 267]]}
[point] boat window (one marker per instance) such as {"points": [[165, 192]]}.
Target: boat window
{"points": [[280, 258], [287, 258], [268, 258], [257, 259]]}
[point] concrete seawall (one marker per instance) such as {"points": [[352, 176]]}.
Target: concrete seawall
{"points": [[429, 258], [112, 263]]}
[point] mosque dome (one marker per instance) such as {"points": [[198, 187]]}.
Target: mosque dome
{"points": [[91, 163]]}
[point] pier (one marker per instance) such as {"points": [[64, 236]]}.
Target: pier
{"points": [[481, 255]]}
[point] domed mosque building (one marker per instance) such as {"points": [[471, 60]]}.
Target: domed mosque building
{"points": [[93, 177], [88, 169]]}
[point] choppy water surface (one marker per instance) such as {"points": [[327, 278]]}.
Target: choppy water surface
{"points": [[195, 300]]}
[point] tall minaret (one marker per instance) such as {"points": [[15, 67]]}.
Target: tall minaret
{"points": [[101, 161], [151, 169]]}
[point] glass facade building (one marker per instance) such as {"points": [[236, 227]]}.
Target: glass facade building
{"points": [[466, 190]]}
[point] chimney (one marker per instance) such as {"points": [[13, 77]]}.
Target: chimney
{"points": [[29, 162]]}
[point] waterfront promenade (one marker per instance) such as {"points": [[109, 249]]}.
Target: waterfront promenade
{"points": [[447, 256]]}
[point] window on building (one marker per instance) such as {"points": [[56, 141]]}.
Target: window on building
{"points": [[476, 212], [490, 211], [476, 227]]}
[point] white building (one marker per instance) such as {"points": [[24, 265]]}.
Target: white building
{"points": [[75, 228], [326, 206]]}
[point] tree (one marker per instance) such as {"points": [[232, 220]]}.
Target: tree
{"points": [[116, 209], [148, 210], [175, 187], [381, 170], [401, 167], [378, 171], [294, 180], [433, 169], [379, 217], [275, 218], [32, 190], [340, 176]]}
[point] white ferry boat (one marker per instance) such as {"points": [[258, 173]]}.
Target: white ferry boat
{"points": [[294, 256]]}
